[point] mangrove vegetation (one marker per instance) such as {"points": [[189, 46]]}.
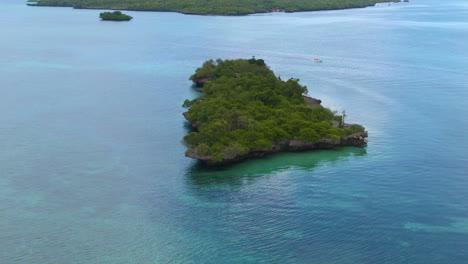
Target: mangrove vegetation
{"points": [[245, 111]]}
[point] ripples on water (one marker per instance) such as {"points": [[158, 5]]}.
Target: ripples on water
{"points": [[92, 169]]}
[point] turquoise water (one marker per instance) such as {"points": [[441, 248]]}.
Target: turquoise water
{"points": [[92, 169]]}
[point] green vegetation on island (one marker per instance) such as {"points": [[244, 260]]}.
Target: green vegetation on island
{"points": [[212, 7], [115, 16], [246, 111]]}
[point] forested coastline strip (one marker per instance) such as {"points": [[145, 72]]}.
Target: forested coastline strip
{"points": [[212, 7]]}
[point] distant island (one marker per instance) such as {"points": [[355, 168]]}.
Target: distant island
{"points": [[246, 111], [212, 7], [115, 16]]}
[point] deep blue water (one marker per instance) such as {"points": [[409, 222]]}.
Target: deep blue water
{"points": [[92, 169]]}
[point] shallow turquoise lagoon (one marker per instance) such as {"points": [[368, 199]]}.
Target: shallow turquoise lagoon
{"points": [[92, 169]]}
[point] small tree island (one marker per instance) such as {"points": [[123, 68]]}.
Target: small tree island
{"points": [[115, 16], [246, 111]]}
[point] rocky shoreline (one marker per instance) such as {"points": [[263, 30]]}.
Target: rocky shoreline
{"points": [[287, 145]]}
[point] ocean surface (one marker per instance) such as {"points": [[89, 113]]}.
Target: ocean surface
{"points": [[92, 169]]}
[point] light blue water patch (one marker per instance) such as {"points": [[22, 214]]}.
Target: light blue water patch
{"points": [[458, 225], [43, 64], [345, 205]]}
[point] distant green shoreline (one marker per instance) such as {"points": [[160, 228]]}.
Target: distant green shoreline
{"points": [[212, 7]]}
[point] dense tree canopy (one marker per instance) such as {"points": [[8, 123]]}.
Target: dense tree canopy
{"points": [[244, 107], [221, 7], [115, 16]]}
